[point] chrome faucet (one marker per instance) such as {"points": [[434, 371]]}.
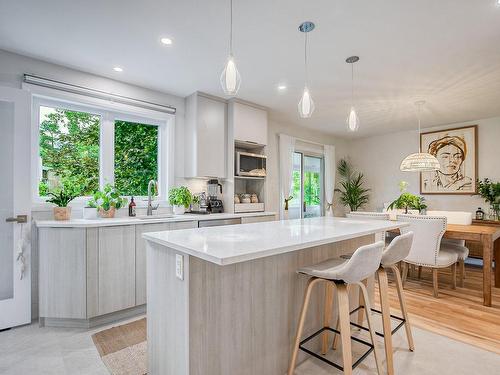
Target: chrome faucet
{"points": [[150, 206]]}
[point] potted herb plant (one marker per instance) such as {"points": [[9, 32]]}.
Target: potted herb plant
{"points": [[180, 198], [61, 199], [107, 201], [490, 191], [352, 192]]}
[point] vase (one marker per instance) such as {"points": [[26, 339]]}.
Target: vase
{"points": [[494, 212], [179, 210], [62, 213], [107, 214]]}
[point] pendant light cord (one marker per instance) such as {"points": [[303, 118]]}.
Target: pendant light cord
{"points": [[352, 84], [231, 30], [419, 110], [305, 58]]}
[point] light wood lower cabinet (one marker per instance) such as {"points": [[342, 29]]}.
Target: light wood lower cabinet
{"points": [[116, 268]]}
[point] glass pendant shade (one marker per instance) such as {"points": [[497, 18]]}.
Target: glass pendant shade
{"points": [[420, 162], [306, 104], [230, 78], [353, 120]]}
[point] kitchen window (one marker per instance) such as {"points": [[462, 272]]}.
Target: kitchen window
{"points": [[85, 147]]}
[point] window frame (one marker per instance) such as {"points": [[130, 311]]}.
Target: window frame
{"points": [[321, 157], [109, 112]]}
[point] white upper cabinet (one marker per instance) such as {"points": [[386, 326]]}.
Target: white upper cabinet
{"points": [[205, 137], [249, 123]]}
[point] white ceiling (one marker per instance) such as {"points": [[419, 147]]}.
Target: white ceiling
{"points": [[446, 52]]}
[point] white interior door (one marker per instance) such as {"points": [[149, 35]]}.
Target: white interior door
{"points": [[15, 249]]}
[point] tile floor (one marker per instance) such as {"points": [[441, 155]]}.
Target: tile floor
{"points": [[31, 350]]}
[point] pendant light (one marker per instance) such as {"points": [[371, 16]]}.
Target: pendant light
{"points": [[352, 119], [306, 104], [230, 79], [421, 161]]}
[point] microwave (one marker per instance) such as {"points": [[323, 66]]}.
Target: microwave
{"points": [[248, 164]]}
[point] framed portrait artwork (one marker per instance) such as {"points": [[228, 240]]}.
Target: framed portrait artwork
{"points": [[456, 151]]}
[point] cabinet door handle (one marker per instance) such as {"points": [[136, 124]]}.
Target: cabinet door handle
{"points": [[20, 219]]}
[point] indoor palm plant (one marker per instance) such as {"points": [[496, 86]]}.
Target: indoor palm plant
{"points": [[352, 192], [107, 201], [490, 191], [180, 198]]}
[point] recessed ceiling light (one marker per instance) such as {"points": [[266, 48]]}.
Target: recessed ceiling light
{"points": [[166, 41], [118, 69], [281, 87]]}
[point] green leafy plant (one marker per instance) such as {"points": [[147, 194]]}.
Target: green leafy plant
{"points": [[408, 201], [490, 191], [180, 196], [352, 191], [107, 198], [68, 190]]}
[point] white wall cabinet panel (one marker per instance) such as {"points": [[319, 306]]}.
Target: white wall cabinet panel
{"points": [[116, 268], [249, 123], [205, 137]]}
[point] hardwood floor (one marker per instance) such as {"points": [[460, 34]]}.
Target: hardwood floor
{"points": [[458, 314]]}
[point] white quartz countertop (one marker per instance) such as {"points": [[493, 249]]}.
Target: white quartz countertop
{"points": [[239, 243], [88, 223]]}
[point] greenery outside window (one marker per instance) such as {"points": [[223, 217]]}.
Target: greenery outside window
{"points": [[136, 157]]}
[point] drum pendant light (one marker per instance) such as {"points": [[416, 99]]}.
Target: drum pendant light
{"points": [[421, 161], [306, 103], [230, 77]]}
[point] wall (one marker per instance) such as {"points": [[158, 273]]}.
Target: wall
{"points": [[272, 184], [379, 158]]}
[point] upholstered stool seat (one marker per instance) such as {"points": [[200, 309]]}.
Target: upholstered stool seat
{"points": [[461, 251]]}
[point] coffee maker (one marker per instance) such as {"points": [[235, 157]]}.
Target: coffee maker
{"points": [[214, 202]]}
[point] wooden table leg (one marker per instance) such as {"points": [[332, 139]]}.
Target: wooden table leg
{"points": [[487, 242], [497, 263]]}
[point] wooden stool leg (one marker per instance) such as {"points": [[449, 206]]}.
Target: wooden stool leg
{"points": [[405, 273], [386, 318], [327, 317], [454, 276], [307, 296], [404, 310], [336, 337], [345, 327], [462, 272], [370, 327], [360, 311], [434, 282]]}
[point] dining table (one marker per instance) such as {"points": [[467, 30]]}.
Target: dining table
{"points": [[488, 236]]}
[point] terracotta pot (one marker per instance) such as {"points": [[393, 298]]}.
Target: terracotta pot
{"points": [[62, 213], [107, 214]]}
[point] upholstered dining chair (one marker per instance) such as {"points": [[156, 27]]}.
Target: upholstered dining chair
{"points": [[426, 248], [458, 246]]}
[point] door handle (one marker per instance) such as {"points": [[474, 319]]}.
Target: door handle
{"points": [[20, 219]]}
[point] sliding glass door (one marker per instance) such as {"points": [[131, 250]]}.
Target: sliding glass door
{"points": [[307, 190]]}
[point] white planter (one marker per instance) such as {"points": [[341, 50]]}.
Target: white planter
{"points": [[179, 210], [89, 213]]}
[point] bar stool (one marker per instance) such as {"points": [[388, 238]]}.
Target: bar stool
{"points": [[339, 274], [392, 255]]}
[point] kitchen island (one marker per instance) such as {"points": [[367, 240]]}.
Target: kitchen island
{"points": [[225, 300]]}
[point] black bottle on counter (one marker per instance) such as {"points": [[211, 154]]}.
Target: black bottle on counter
{"points": [[131, 207]]}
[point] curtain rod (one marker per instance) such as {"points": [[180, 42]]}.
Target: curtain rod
{"points": [[81, 90]]}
